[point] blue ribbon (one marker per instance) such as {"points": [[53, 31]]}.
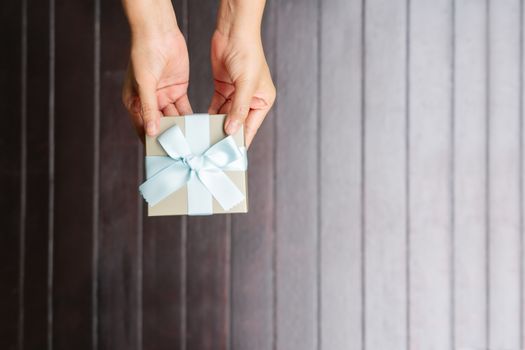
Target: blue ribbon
{"points": [[167, 174]]}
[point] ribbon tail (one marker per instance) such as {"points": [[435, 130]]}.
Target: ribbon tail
{"points": [[221, 188], [164, 183]]}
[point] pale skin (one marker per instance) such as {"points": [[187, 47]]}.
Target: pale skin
{"points": [[157, 79]]}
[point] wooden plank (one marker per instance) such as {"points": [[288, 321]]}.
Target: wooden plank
{"points": [[253, 234], [119, 229], [522, 171], [470, 129], [208, 297], [430, 174], [73, 291], [10, 166], [208, 241], [503, 173], [340, 163], [164, 270], [296, 265], [163, 318], [38, 191], [385, 162]]}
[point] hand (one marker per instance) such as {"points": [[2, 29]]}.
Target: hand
{"points": [[243, 84], [156, 82]]}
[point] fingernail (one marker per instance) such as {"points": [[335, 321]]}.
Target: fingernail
{"points": [[232, 126], [151, 128]]}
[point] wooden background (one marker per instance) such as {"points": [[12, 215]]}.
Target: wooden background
{"points": [[386, 186]]}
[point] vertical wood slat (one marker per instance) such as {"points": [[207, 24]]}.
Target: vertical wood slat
{"points": [[37, 233], [340, 163], [162, 307], [469, 249], [163, 281], [385, 192], [253, 233], [297, 308], [10, 166], [73, 290], [522, 173], [208, 238], [119, 253], [430, 174], [503, 172]]}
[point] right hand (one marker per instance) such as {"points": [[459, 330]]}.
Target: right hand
{"points": [[157, 79]]}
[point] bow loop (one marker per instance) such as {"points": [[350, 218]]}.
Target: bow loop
{"points": [[174, 143], [223, 152]]}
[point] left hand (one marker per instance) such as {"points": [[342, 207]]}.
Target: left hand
{"points": [[243, 85]]}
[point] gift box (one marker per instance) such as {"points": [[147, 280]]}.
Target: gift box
{"points": [[194, 168]]}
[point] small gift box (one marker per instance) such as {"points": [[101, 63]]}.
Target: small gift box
{"points": [[194, 168]]}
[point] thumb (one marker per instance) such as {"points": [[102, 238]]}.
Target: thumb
{"points": [[244, 91], [149, 109]]}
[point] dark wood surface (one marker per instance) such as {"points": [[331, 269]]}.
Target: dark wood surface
{"points": [[385, 187], [76, 190], [37, 229], [118, 290], [11, 239]]}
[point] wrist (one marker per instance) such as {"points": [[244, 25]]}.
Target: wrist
{"points": [[240, 18], [150, 19]]}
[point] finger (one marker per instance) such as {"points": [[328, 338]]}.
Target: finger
{"points": [[226, 107], [252, 124], [244, 91], [183, 105], [258, 103], [170, 109], [149, 108], [217, 100]]}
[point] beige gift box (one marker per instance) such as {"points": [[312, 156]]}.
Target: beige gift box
{"points": [[177, 202]]}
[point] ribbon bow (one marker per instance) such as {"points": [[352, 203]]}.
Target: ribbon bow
{"points": [[167, 174]]}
